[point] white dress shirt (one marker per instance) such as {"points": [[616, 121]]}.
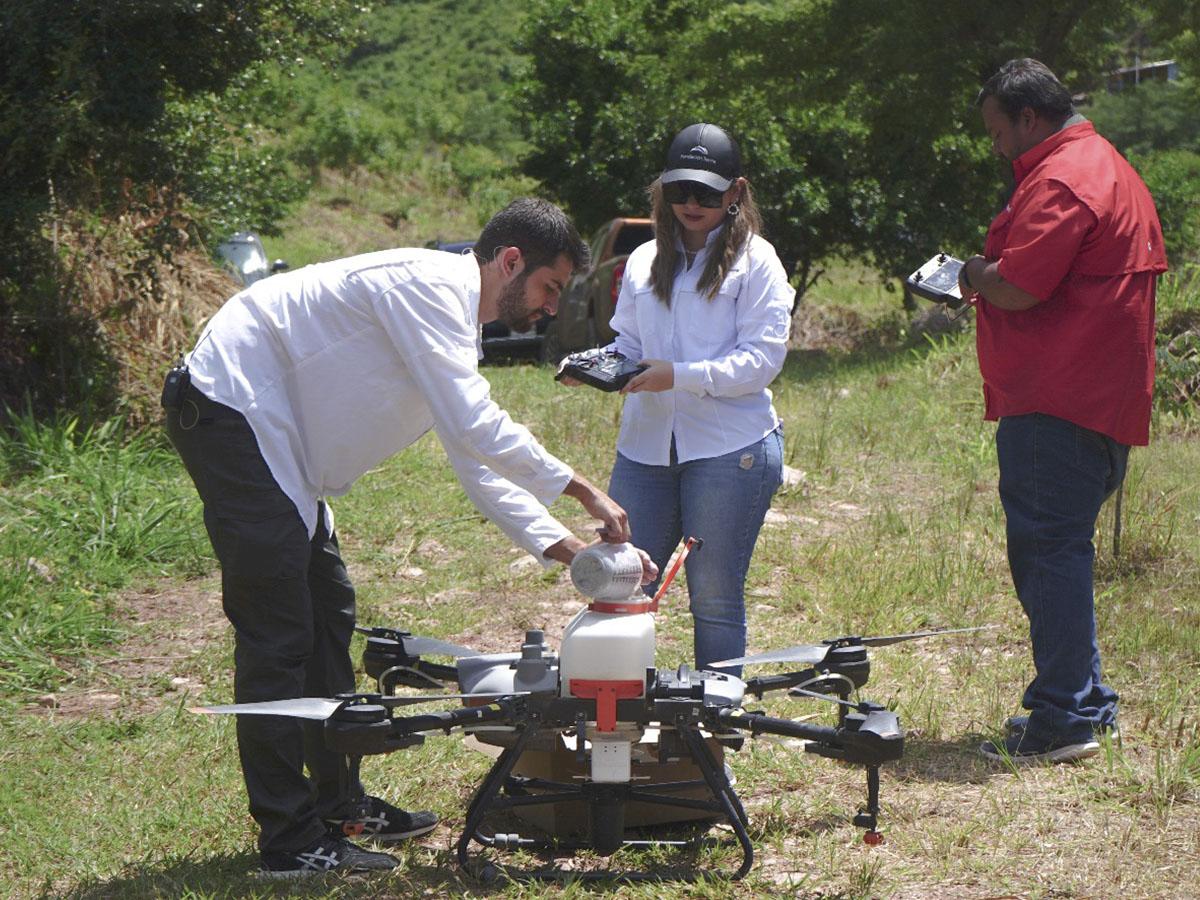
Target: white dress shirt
{"points": [[726, 350], [339, 365]]}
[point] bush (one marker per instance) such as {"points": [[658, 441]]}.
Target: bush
{"points": [[1177, 377], [1153, 116], [1173, 177]]}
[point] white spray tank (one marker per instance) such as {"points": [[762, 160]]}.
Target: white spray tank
{"points": [[612, 639], [608, 647], [606, 650]]}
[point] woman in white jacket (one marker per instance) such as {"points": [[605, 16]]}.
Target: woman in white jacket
{"points": [[706, 307]]}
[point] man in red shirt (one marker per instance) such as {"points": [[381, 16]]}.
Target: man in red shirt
{"points": [[1065, 334]]}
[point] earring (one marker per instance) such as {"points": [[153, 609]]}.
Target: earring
{"points": [[733, 209]]}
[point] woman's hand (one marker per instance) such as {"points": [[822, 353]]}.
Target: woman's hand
{"points": [[659, 375], [649, 569]]}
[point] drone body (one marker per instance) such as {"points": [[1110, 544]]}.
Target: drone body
{"points": [[602, 693]]}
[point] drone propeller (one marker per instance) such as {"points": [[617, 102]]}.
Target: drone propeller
{"points": [[811, 654], [419, 646], [322, 707], [885, 640], [802, 653]]}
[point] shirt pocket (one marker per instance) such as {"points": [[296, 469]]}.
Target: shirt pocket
{"points": [[710, 323], [649, 313], [997, 234]]}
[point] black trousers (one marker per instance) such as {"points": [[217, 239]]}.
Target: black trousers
{"points": [[291, 604]]}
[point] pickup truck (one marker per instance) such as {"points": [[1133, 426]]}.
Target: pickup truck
{"points": [[590, 298]]}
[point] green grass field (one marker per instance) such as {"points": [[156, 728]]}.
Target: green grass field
{"points": [[112, 628]]}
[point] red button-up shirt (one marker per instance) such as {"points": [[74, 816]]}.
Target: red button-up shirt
{"points": [[1081, 234]]}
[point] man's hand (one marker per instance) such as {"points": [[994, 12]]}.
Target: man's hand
{"points": [[659, 375], [564, 551], [615, 529]]}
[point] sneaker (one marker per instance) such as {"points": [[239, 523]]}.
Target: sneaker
{"points": [[327, 854], [1019, 750], [1018, 724], [384, 823]]}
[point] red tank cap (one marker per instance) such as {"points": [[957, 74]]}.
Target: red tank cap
{"points": [[631, 607]]}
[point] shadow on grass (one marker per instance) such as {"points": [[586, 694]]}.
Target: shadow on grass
{"points": [[236, 876], [955, 761]]}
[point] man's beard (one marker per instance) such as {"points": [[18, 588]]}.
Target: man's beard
{"points": [[512, 308]]}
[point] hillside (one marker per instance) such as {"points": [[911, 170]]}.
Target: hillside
{"points": [[413, 136]]}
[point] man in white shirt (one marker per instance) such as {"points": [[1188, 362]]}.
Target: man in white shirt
{"points": [[300, 384]]}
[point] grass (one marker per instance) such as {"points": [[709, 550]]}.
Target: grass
{"points": [[895, 526], [81, 510]]}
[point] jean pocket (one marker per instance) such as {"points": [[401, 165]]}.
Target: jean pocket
{"points": [[1091, 450]]}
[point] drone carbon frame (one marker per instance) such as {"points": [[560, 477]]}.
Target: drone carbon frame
{"points": [[676, 701]]}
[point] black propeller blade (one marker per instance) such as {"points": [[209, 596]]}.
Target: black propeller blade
{"points": [[803, 653], [419, 646], [323, 707], [810, 654], [885, 640]]}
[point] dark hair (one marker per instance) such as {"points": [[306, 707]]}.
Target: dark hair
{"points": [[736, 231], [539, 229], [1027, 82]]}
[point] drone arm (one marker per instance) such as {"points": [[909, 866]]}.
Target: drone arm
{"points": [[761, 684], [757, 723], [864, 738], [446, 720]]}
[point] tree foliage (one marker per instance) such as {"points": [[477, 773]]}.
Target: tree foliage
{"points": [[857, 117], [106, 105]]}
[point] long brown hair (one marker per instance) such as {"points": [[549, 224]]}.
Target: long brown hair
{"points": [[729, 243]]}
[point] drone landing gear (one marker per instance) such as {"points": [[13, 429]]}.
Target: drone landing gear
{"points": [[606, 803], [868, 818]]}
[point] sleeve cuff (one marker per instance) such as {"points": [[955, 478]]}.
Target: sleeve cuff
{"points": [[542, 540], [691, 377]]}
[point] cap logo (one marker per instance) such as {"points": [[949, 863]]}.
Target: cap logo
{"points": [[699, 148]]}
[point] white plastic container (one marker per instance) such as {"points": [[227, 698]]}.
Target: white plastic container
{"points": [[600, 646]]}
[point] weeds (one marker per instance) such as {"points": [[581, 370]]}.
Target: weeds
{"points": [[82, 511]]}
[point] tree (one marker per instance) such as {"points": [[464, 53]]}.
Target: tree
{"points": [[858, 117], [108, 104]]}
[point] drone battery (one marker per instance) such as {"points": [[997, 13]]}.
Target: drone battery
{"points": [[937, 280]]}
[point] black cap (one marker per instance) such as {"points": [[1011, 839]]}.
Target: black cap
{"points": [[703, 153]]}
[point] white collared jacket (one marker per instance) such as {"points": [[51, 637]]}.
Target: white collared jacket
{"points": [[339, 365], [725, 350]]}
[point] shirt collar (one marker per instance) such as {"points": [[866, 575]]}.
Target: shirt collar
{"points": [[708, 241], [1073, 129], [472, 281]]}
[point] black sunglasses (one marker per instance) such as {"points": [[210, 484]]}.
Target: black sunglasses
{"points": [[678, 192]]}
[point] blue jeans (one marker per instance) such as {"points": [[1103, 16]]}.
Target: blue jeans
{"points": [[722, 500], [1054, 477]]}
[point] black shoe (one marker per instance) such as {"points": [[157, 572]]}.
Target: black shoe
{"points": [[327, 854], [1021, 750], [1018, 724], [382, 822]]}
